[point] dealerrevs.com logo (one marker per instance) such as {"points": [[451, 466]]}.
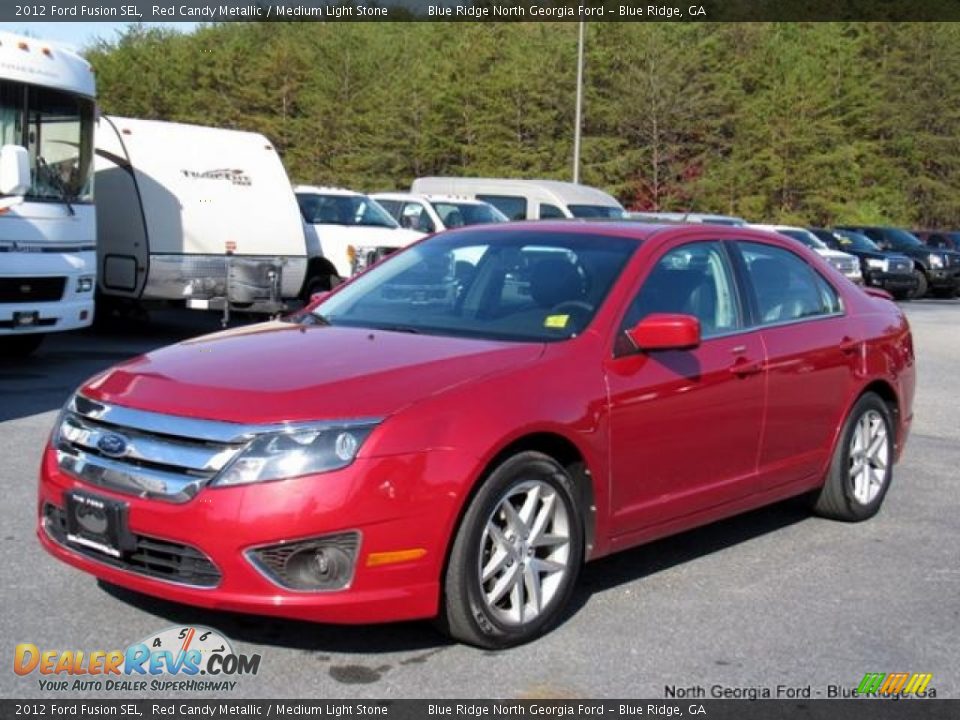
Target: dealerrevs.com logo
{"points": [[178, 659]]}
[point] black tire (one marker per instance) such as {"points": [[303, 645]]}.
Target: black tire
{"points": [[901, 295], [923, 285], [465, 614], [20, 346], [318, 284], [837, 499]]}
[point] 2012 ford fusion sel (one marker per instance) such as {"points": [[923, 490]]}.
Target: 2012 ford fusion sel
{"points": [[454, 432]]}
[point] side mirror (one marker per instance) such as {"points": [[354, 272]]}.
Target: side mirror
{"points": [[665, 331], [14, 170]]}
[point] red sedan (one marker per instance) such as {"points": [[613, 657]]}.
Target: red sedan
{"points": [[455, 431]]}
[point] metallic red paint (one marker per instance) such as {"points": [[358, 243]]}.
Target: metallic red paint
{"points": [[670, 439]]}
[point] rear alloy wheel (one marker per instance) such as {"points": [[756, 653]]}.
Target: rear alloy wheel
{"points": [[516, 556], [862, 465], [20, 346]]}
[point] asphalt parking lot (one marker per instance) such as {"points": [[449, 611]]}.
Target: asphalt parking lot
{"points": [[775, 597]]}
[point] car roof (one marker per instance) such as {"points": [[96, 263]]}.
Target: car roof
{"points": [[628, 229]]}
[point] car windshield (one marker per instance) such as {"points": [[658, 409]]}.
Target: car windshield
{"points": [[320, 209], [494, 284], [57, 130], [855, 241], [597, 211], [454, 214], [807, 238], [902, 239]]}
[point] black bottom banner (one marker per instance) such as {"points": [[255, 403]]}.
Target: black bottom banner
{"points": [[861, 709]]}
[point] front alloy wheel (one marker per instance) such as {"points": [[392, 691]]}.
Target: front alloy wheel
{"points": [[516, 555], [524, 552]]}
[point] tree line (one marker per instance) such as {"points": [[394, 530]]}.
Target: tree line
{"points": [[812, 123]]}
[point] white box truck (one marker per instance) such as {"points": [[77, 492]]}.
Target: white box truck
{"points": [[195, 215], [47, 221], [527, 199]]}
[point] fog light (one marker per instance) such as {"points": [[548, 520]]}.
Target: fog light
{"points": [[324, 563]]}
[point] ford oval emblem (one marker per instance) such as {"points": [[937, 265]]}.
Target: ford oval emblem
{"points": [[112, 445]]}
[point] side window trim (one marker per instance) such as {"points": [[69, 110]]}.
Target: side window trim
{"points": [[750, 292]]}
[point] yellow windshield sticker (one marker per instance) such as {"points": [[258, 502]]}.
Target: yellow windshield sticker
{"points": [[556, 321]]}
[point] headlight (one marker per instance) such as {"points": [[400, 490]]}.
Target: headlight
{"points": [[85, 283], [877, 264], [295, 452], [936, 260]]}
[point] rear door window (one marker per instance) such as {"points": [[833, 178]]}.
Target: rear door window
{"points": [[785, 287]]}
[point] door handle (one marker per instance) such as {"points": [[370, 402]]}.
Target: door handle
{"points": [[743, 367]]}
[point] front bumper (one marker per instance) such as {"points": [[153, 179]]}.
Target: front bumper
{"points": [[891, 281], [381, 498], [55, 316], [944, 278]]}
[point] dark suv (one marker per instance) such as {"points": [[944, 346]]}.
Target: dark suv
{"points": [[936, 270], [891, 271], [946, 239]]}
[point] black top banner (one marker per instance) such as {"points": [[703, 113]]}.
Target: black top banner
{"points": [[480, 10]]}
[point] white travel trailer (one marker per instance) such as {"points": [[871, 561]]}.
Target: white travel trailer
{"points": [[47, 221], [198, 215], [527, 199]]}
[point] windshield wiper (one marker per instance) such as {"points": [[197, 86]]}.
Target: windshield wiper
{"points": [[55, 178], [399, 328]]}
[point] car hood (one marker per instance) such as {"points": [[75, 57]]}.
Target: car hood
{"points": [[368, 235], [279, 371]]}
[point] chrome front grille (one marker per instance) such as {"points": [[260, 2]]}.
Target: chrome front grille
{"points": [[900, 266], [847, 266], [143, 453]]}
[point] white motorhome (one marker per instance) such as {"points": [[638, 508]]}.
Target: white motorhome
{"points": [[198, 215], [47, 221], [526, 199]]}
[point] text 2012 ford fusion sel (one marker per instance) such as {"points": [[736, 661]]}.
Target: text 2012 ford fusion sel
{"points": [[455, 431]]}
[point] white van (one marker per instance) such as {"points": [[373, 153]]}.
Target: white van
{"points": [[193, 214], [435, 213], [527, 199], [346, 231]]}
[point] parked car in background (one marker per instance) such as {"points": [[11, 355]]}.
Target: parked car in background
{"points": [[944, 239], [701, 218], [889, 271], [412, 446], [434, 213], [527, 199], [937, 271], [346, 231], [844, 262]]}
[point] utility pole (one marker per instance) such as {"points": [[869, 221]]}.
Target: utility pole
{"points": [[579, 108]]}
